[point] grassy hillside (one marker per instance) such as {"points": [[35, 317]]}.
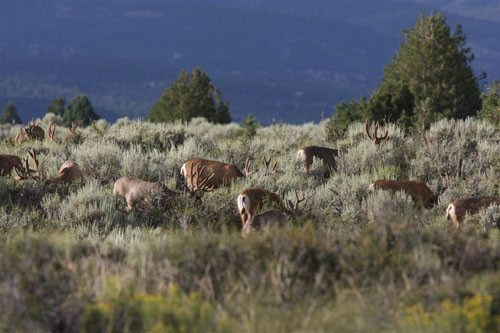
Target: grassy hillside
{"points": [[72, 258]]}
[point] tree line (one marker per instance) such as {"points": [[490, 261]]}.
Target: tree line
{"points": [[429, 78]]}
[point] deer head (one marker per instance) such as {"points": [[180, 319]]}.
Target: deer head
{"points": [[72, 130], [26, 172], [374, 136], [293, 207]]}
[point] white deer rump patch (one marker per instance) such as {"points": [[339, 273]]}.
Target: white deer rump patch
{"points": [[242, 203], [301, 155]]}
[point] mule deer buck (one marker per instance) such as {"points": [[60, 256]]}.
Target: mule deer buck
{"points": [[68, 173], [138, 192], [420, 193], [220, 174], [374, 136], [273, 218], [251, 200], [9, 163], [33, 132], [327, 155], [459, 208]]}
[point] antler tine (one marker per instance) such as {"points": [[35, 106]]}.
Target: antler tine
{"points": [[275, 168], [202, 186], [375, 129], [32, 153], [52, 131], [247, 168], [367, 128]]}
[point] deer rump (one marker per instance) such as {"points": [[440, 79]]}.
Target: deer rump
{"points": [[69, 172], [420, 193], [8, 163], [458, 208], [223, 173], [252, 199], [138, 192]]}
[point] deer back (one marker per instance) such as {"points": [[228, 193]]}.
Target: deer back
{"points": [[273, 218], [327, 155], [419, 191], [252, 199], [459, 208], [138, 191], [68, 173], [35, 133], [8, 163], [223, 173]]}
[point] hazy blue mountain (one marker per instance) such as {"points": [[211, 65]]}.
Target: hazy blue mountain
{"points": [[289, 60]]}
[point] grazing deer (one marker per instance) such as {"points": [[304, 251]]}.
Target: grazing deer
{"points": [[33, 132], [140, 192], [252, 199], [374, 137], [9, 163], [420, 193], [221, 174], [328, 155], [272, 218], [68, 173], [458, 208]]}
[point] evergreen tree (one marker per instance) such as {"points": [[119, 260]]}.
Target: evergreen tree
{"points": [[491, 103], [344, 115], [429, 78], [57, 107], [250, 126], [10, 115], [79, 111], [189, 97]]}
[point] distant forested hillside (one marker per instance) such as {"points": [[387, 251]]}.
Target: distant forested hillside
{"points": [[282, 60]]}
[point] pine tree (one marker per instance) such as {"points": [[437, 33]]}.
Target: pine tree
{"points": [[491, 103], [57, 107], [188, 97], [10, 115], [79, 111], [429, 78]]}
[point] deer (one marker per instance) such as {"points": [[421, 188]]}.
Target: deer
{"points": [[374, 136], [420, 193], [9, 163], [138, 192], [459, 208], [33, 132], [221, 174], [273, 218], [327, 155], [251, 200], [68, 173]]}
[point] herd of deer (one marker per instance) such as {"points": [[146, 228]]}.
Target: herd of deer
{"points": [[205, 175]]}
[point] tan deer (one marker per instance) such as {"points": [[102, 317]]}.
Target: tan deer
{"points": [[139, 193], [221, 174], [33, 132], [252, 199], [68, 173], [9, 163], [327, 155], [420, 193], [374, 136], [459, 208], [273, 218]]}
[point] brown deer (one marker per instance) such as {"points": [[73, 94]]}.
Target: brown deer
{"points": [[374, 136], [252, 199], [273, 218], [420, 193], [68, 173], [327, 155], [33, 132], [9, 163], [459, 208], [138, 192], [221, 174]]}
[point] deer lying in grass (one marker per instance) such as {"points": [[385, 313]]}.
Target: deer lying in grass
{"points": [[68, 173], [140, 193], [273, 218], [9, 163], [459, 208], [420, 193], [33, 132], [327, 155], [221, 174], [252, 199], [374, 136]]}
